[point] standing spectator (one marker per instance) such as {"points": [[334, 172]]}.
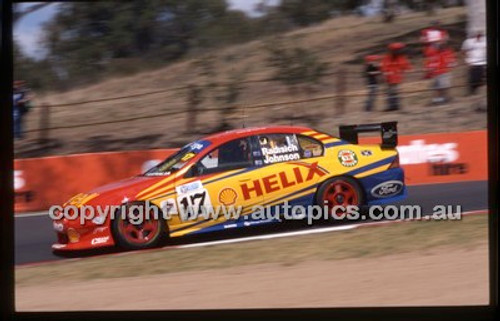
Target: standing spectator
{"points": [[474, 50], [394, 64], [438, 66], [433, 35], [372, 72], [21, 105]]}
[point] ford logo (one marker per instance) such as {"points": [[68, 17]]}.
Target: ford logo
{"points": [[387, 189]]}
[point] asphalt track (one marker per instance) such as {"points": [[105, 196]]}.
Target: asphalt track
{"points": [[34, 235]]}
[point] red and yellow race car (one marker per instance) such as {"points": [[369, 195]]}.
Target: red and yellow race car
{"points": [[244, 168]]}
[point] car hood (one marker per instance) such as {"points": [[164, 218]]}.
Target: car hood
{"points": [[122, 191]]}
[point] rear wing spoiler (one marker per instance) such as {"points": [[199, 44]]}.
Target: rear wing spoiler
{"points": [[388, 132]]}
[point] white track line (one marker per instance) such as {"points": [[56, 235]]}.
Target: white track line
{"points": [[33, 214], [270, 236]]}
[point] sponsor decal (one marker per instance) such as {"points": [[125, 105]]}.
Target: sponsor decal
{"points": [[80, 199], [188, 156], [389, 134], [186, 188], [366, 152], [73, 235], [418, 152], [387, 189], [99, 240], [280, 154], [443, 169], [100, 230], [19, 181], [281, 180], [281, 158], [160, 174], [260, 221], [199, 145], [20, 192], [347, 158], [228, 196], [24, 196], [279, 150]]}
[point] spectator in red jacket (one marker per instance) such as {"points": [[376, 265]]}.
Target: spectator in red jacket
{"points": [[433, 36], [439, 65], [394, 65]]}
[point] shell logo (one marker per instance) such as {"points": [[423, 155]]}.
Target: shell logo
{"points": [[228, 196]]}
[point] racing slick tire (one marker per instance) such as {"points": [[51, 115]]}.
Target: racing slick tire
{"points": [[152, 232], [340, 191]]}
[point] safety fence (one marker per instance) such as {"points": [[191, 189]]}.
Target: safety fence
{"points": [[344, 74], [406, 93], [426, 159]]}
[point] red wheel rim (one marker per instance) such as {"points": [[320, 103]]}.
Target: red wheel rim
{"points": [[340, 193], [139, 233]]}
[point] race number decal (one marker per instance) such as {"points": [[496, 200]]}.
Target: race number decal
{"points": [[193, 200]]}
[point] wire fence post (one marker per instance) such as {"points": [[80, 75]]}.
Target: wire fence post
{"points": [[340, 90], [194, 99], [44, 125]]}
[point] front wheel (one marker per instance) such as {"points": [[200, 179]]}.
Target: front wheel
{"points": [[339, 192], [133, 234]]}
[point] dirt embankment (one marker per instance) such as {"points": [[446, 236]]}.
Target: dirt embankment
{"points": [[439, 277]]}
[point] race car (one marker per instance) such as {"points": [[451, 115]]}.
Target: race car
{"points": [[243, 168]]}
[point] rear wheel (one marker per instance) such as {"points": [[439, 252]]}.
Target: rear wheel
{"points": [[338, 192], [132, 234]]}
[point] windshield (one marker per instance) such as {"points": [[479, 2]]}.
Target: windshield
{"points": [[179, 159]]}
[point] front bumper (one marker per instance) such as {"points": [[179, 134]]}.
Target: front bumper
{"points": [[73, 236]]}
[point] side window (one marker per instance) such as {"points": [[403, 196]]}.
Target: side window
{"points": [[310, 147], [232, 155], [278, 148]]}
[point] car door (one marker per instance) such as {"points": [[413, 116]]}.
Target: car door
{"points": [[215, 184]]}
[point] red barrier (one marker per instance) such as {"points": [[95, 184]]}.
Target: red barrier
{"points": [[42, 182], [443, 157], [427, 159]]}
